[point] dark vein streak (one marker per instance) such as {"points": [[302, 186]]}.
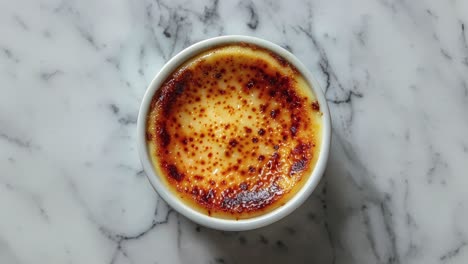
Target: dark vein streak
{"points": [[141, 56], [253, 23], [179, 232], [446, 54], [149, 23], [324, 67], [149, 229], [124, 120], [327, 228], [463, 37], [176, 35], [88, 37], [348, 98], [114, 62], [435, 160], [430, 13], [140, 173], [361, 37], [454, 252], [166, 32], [330, 240], [42, 210], [436, 163], [21, 22], [386, 215], [210, 13], [409, 220], [128, 120], [116, 252], [46, 76], [287, 47], [115, 109], [324, 61], [16, 141], [463, 34], [369, 236], [9, 54], [120, 238], [142, 53], [465, 88]]}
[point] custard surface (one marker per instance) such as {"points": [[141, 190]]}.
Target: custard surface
{"points": [[235, 131]]}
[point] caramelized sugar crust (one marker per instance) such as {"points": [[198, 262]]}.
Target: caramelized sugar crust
{"points": [[235, 131]]}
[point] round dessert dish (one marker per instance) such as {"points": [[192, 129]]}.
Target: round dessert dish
{"points": [[162, 172]]}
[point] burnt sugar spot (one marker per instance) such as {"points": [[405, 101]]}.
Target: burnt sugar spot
{"points": [[293, 130], [316, 106], [250, 84], [261, 131], [273, 162], [250, 200], [301, 155], [280, 59], [174, 173], [163, 136], [298, 166], [233, 142], [274, 113], [173, 87], [148, 136], [243, 186], [180, 86], [290, 96], [301, 149], [208, 196]]}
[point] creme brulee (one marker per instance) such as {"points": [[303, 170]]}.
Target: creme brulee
{"points": [[235, 131]]}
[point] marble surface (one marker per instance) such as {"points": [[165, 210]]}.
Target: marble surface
{"points": [[73, 73]]}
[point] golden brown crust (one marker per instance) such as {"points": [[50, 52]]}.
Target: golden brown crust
{"points": [[237, 166]]}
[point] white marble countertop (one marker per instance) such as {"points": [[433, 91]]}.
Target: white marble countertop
{"points": [[73, 73]]}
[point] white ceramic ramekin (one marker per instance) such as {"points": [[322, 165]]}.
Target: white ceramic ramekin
{"points": [[175, 202]]}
